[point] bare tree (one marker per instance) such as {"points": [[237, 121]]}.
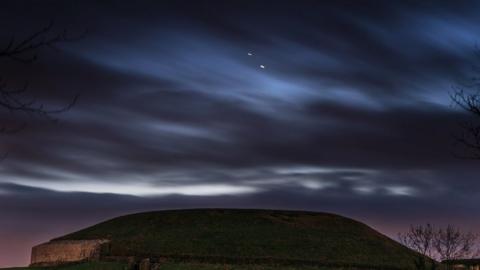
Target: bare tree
{"points": [[419, 238], [26, 51], [466, 95], [451, 243], [440, 244]]}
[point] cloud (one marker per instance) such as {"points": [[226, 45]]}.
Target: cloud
{"points": [[184, 99], [351, 115]]}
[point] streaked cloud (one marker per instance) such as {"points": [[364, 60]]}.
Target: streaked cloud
{"points": [[350, 115]]}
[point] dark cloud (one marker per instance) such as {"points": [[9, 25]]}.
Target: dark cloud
{"points": [[351, 114]]}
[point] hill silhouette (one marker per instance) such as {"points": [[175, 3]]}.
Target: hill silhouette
{"points": [[249, 236]]}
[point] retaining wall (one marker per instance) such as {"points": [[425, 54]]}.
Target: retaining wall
{"points": [[66, 251]]}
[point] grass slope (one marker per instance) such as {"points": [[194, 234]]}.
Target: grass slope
{"points": [[250, 236], [82, 266], [199, 266], [169, 266]]}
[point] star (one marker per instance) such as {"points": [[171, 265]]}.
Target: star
{"points": [[249, 54], [262, 66]]}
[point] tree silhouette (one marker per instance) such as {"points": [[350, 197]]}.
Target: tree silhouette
{"points": [[441, 244], [26, 51], [419, 238], [467, 97]]}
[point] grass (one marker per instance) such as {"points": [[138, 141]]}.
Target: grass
{"points": [[81, 266], [169, 266], [199, 266], [239, 236]]}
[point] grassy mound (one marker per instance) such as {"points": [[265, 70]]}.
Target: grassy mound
{"points": [[199, 266], [168, 266], [250, 237], [81, 266]]}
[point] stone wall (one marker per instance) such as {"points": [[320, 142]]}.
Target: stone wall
{"points": [[66, 251]]}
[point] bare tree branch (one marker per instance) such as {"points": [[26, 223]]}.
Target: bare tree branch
{"points": [[451, 243], [440, 244], [26, 51], [419, 238], [469, 101]]}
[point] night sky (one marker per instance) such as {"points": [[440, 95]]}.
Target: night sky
{"points": [[350, 113]]}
